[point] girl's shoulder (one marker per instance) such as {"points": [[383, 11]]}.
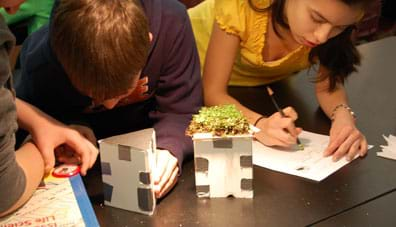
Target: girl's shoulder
{"points": [[240, 7], [238, 17]]}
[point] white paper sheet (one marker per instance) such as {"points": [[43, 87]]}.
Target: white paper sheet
{"points": [[388, 151], [308, 163]]}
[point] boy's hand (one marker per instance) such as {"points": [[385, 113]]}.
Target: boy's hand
{"points": [[165, 173], [86, 132], [54, 134]]}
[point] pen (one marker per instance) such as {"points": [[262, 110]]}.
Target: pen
{"points": [[270, 92]]}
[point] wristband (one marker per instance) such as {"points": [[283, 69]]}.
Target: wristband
{"points": [[257, 121], [332, 116]]}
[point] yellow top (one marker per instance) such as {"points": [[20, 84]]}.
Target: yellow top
{"points": [[238, 18]]}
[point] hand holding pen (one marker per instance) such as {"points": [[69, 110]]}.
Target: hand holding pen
{"points": [[278, 129], [271, 93]]}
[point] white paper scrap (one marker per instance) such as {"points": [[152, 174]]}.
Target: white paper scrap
{"points": [[388, 151]]}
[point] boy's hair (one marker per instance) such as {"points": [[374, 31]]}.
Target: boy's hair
{"points": [[102, 44], [339, 55]]}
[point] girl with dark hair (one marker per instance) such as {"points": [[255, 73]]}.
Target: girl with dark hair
{"points": [[257, 42]]}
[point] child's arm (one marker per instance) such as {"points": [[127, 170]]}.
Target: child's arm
{"points": [[345, 138], [178, 96], [47, 133], [30, 160], [217, 69], [219, 61]]}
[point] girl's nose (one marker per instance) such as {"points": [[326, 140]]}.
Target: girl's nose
{"points": [[322, 33]]}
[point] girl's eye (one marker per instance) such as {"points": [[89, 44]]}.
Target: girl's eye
{"points": [[316, 19], [340, 28]]}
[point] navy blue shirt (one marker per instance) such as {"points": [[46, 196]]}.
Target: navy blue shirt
{"points": [[172, 74]]}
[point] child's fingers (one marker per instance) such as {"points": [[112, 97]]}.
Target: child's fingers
{"points": [[165, 180], [299, 130], [171, 164], [275, 138], [69, 160], [347, 146], [290, 112], [159, 170], [94, 152], [91, 149], [170, 183], [288, 125], [86, 132], [353, 151], [286, 138], [335, 142], [91, 137], [363, 147], [49, 159], [79, 145]]}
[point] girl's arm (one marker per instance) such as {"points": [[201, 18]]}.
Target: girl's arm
{"points": [[345, 138], [29, 159], [220, 56], [328, 101]]}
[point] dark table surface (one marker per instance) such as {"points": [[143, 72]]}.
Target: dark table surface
{"points": [[378, 212], [285, 200]]}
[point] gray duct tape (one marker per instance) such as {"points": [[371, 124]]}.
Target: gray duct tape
{"points": [[222, 143], [201, 164], [106, 168], [145, 199], [247, 184], [144, 177], [246, 161], [107, 191], [124, 153]]}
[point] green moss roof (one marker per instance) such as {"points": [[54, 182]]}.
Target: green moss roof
{"points": [[219, 120]]}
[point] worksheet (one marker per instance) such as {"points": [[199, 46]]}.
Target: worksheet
{"points": [[308, 163]]}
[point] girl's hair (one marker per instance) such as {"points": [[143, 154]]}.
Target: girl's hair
{"points": [[339, 55]]}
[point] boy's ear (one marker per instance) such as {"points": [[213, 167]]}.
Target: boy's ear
{"points": [[151, 36]]}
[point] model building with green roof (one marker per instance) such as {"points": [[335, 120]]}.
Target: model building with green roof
{"points": [[219, 121], [222, 152]]}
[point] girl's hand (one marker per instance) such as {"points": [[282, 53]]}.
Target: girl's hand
{"points": [[165, 173], [277, 130], [345, 138]]}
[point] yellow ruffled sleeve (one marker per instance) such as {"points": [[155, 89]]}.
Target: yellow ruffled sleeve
{"points": [[230, 15], [238, 18]]}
